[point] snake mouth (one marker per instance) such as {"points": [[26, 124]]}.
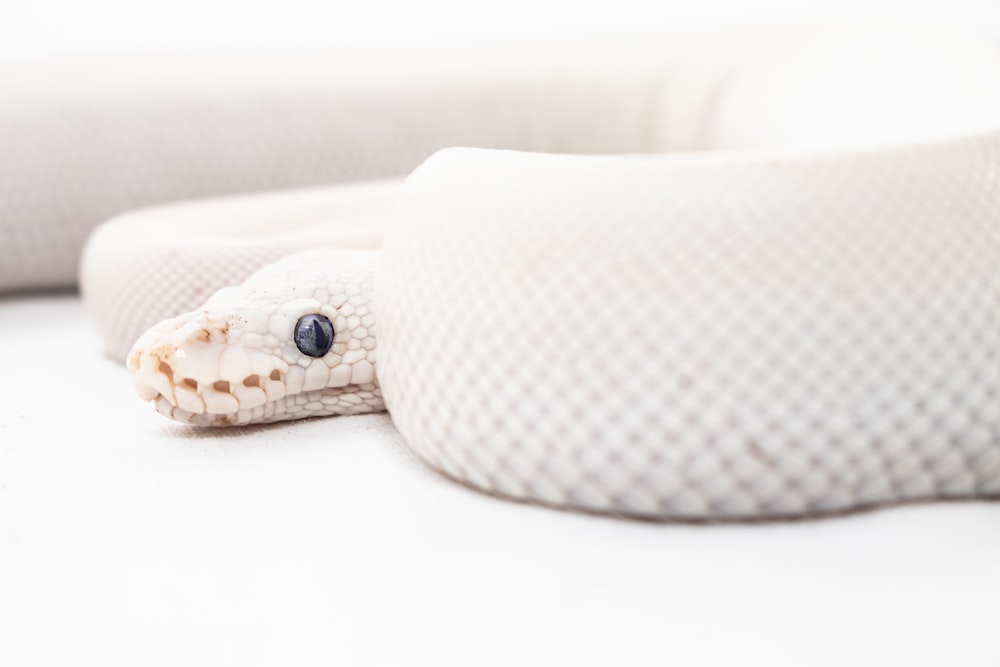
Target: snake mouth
{"points": [[353, 399], [180, 388], [205, 400]]}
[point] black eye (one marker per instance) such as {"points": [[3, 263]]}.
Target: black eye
{"points": [[313, 335]]}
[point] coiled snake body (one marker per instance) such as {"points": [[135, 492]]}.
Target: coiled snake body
{"points": [[804, 321]]}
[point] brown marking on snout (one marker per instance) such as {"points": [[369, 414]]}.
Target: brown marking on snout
{"points": [[164, 351], [205, 334]]}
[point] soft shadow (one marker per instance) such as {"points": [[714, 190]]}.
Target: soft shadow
{"points": [[26, 293]]}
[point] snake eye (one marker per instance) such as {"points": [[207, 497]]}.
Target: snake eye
{"points": [[313, 335]]}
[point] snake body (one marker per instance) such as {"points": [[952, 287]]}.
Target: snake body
{"points": [[802, 320]]}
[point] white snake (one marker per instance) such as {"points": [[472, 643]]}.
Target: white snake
{"points": [[804, 320]]}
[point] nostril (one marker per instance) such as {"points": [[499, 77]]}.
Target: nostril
{"points": [[251, 381], [275, 375], [191, 382], [165, 368], [221, 385]]}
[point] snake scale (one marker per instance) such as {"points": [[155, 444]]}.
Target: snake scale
{"points": [[699, 278]]}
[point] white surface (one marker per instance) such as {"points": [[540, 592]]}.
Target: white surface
{"points": [[125, 539]]}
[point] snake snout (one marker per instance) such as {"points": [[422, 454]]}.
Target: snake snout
{"points": [[193, 373]]}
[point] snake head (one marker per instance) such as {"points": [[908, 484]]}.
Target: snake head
{"points": [[296, 340]]}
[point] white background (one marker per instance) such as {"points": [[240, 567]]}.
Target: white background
{"points": [[46, 26], [126, 540]]}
